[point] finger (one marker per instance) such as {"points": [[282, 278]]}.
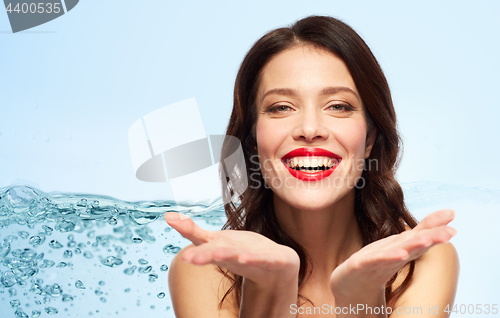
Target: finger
{"points": [[428, 238], [206, 254], [187, 228], [437, 218], [203, 257], [227, 258]]}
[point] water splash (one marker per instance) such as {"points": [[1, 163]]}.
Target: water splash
{"points": [[54, 214]]}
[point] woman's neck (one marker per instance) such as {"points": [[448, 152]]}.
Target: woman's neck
{"points": [[328, 235]]}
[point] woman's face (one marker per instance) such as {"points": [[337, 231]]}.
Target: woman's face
{"points": [[311, 128]]}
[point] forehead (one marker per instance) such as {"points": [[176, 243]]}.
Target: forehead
{"points": [[305, 68]]}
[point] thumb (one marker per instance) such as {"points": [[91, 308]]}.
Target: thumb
{"points": [[187, 228]]}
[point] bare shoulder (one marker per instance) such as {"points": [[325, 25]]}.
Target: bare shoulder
{"points": [[197, 290], [434, 281]]}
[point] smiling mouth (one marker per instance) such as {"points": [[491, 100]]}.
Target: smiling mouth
{"points": [[307, 164], [311, 164]]}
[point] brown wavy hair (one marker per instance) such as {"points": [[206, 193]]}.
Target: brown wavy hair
{"points": [[379, 204]]}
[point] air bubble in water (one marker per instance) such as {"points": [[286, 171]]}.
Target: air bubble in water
{"points": [[51, 310], [98, 292], [102, 283], [68, 254], [19, 198], [56, 290], [103, 299], [153, 277], [170, 249], [79, 284], [142, 261], [35, 313], [88, 254], [39, 257], [12, 292], [67, 298], [48, 230], [55, 244], [61, 265], [130, 270], [164, 268], [15, 303], [161, 295], [23, 234], [120, 250], [65, 226], [46, 264], [20, 314], [36, 240], [137, 240], [4, 250], [146, 269], [111, 261]]}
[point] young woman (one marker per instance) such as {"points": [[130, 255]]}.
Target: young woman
{"points": [[322, 229]]}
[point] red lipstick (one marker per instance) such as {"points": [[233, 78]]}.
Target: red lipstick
{"points": [[311, 152]]}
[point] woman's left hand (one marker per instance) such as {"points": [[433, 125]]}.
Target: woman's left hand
{"points": [[364, 274]]}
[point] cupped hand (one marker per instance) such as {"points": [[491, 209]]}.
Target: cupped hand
{"points": [[371, 267], [243, 253]]}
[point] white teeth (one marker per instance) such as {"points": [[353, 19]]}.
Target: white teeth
{"points": [[307, 163], [314, 162], [311, 163]]}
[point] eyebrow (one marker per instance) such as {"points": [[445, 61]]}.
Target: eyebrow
{"points": [[324, 91]]}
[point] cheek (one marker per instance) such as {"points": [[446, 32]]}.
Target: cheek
{"points": [[269, 137], [352, 136]]}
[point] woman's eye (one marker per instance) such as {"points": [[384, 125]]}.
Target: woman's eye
{"points": [[340, 107], [279, 109]]}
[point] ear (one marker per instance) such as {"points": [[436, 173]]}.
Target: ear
{"points": [[370, 140]]}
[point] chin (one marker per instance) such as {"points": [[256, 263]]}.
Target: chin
{"points": [[311, 200]]}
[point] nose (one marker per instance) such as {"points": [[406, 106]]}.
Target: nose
{"points": [[310, 126]]}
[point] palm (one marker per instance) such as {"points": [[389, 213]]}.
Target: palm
{"points": [[244, 253], [373, 265]]}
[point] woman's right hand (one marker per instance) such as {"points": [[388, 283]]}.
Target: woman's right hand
{"points": [[266, 264]]}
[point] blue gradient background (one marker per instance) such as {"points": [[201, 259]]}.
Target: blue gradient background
{"points": [[71, 88]]}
